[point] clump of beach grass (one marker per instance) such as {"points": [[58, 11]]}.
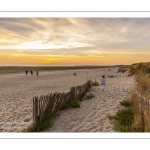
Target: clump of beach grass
{"points": [[125, 103], [128, 119], [124, 119], [47, 122], [143, 85], [111, 116], [124, 68], [141, 71], [95, 83], [71, 104]]}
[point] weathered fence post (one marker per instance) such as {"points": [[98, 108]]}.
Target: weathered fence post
{"points": [[35, 110]]}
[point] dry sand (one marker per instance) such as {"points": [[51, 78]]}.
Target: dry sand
{"points": [[17, 91]]}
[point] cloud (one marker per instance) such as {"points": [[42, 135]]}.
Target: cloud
{"points": [[72, 32], [80, 38]]}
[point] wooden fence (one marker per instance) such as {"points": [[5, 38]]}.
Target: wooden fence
{"points": [[144, 104], [52, 102]]}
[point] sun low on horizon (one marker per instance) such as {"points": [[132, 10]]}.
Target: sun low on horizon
{"points": [[74, 41]]}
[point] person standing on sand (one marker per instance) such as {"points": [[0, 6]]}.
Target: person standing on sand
{"points": [[31, 72], [37, 72], [103, 80]]}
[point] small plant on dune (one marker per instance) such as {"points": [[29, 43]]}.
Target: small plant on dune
{"points": [[65, 106], [111, 116], [71, 104], [75, 103], [125, 103], [124, 119], [48, 121], [95, 83], [128, 119]]}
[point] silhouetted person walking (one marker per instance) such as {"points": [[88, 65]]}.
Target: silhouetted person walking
{"points": [[26, 72]]}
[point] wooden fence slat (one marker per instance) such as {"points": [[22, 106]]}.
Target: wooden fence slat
{"points": [[53, 101], [62, 98], [36, 110], [144, 104], [40, 107], [58, 101], [33, 109]]}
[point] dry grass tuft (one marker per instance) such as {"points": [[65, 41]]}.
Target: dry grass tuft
{"points": [[137, 125], [143, 83], [124, 68]]}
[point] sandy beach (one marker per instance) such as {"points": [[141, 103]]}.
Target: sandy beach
{"points": [[18, 90]]}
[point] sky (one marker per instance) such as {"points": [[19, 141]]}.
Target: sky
{"points": [[74, 41]]}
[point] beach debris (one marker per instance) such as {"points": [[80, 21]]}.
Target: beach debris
{"points": [[111, 76], [90, 96], [74, 74]]}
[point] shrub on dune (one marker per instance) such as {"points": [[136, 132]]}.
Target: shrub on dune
{"points": [[95, 83]]}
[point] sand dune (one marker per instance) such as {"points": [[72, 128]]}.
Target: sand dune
{"points": [[91, 117], [18, 90]]}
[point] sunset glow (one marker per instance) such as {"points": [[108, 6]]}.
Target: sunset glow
{"points": [[74, 41]]}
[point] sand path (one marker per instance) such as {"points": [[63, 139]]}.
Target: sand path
{"points": [[91, 116], [17, 91]]}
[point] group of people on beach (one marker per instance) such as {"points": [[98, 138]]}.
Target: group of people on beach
{"points": [[32, 72], [102, 80]]}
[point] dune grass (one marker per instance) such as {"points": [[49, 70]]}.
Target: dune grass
{"points": [[141, 71], [48, 121], [71, 104], [95, 83], [128, 119], [125, 103], [137, 125], [124, 68], [124, 119]]}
